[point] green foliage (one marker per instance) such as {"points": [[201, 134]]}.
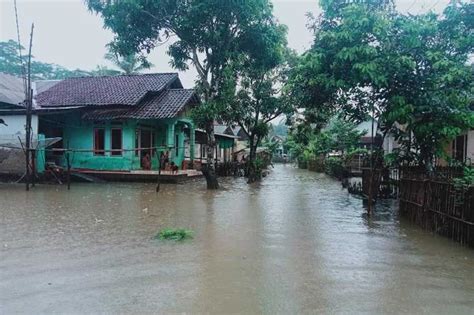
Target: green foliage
{"points": [[174, 234], [431, 83], [412, 72], [463, 184], [130, 63], [209, 34], [271, 145], [10, 63], [280, 129], [259, 166], [335, 167], [356, 152], [338, 136], [222, 40]]}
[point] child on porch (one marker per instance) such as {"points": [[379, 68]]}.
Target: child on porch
{"points": [[174, 168], [146, 162]]}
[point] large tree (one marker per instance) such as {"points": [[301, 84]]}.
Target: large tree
{"points": [[404, 70], [401, 69], [344, 69], [430, 81], [258, 96], [209, 35]]}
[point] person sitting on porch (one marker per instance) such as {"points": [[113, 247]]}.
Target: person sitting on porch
{"points": [[164, 160], [146, 162], [174, 168]]}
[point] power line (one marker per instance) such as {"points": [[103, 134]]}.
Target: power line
{"points": [[19, 50], [435, 4], [412, 4]]}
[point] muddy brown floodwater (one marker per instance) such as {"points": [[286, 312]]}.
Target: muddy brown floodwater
{"points": [[296, 243]]}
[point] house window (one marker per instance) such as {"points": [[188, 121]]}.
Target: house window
{"points": [[116, 141], [99, 141], [460, 148]]}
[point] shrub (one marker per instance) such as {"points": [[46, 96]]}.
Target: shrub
{"points": [[335, 167]]}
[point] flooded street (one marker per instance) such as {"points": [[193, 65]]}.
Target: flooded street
{"points": [[296, 243]]}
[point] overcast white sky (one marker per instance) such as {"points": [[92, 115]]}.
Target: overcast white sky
{"points": [[66, 33]]}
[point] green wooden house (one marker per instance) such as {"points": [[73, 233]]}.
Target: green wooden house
{"points": [[109, 123]]}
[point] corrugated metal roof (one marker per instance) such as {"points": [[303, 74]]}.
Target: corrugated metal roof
{"points": [[11, 89]]}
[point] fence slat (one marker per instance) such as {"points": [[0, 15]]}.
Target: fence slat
{"points": [[435, 204]]}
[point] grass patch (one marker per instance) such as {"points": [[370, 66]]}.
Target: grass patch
{"points": [[174, 234]]}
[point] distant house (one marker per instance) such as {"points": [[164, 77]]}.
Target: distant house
{"points": [[112, 122], [241, 138], [12, 129], [462, 148], [12, 110], [367, 139], [279, 150], [225, 144]]}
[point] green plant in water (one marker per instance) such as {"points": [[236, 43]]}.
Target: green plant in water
{"points": [[174, 234], [462, 184]]}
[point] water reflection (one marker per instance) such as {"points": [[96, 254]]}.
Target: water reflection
{"points": [[295, 243]]}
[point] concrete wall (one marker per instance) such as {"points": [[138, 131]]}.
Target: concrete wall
{"points": [[12, 161], [16, 126]]}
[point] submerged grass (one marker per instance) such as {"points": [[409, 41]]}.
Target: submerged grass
{"points": [[174, 234]]}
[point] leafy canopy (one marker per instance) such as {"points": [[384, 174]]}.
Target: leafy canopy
{"points": [[412, 73], [209, 34], [10, 63]]}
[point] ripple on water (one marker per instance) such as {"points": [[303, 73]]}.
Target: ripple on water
{"points": [[295, 243]]}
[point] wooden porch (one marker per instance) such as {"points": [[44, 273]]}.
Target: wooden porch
{"points": [[136, 175]]}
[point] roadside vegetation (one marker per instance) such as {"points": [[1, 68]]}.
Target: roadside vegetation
{"points": [[411, 73]]}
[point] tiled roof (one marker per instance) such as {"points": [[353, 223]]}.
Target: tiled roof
{"points": [[167, 104], [105, 90]]}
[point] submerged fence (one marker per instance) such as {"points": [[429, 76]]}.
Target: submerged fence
{"points": [[434, 203]]}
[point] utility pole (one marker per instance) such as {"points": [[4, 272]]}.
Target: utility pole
{"points": [[29, 105]]}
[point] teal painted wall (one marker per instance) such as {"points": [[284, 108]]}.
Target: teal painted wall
{"points": [[40, 155], [79, 135], [178, 159], [225, 143]]}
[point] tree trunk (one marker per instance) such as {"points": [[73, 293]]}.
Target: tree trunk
{"points": [[252, 171], [209, 170]]}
